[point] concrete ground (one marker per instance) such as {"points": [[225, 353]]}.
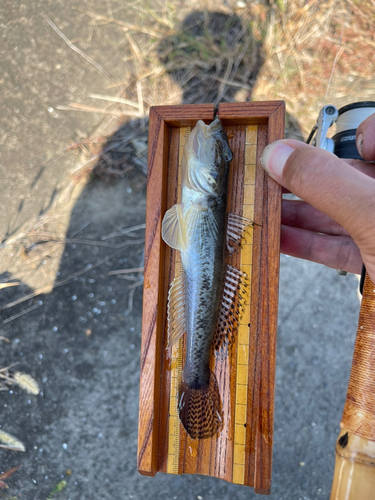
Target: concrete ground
{"points": [[81, 340]]}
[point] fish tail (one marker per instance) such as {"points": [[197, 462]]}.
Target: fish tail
{"points": [[200, 409]]}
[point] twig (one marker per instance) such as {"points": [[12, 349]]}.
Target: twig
{"points": [[35, 306], [148, 31], [135, 285], [140, 101], [81, 228], [6, 378], [338, 52], [134, 47], [127, 277], [223, 83], [97, 243], [156, 72], [79, 51], [91, 109], [234, 84], [6, 368], [78, 242], [6, 285], [5, 340], [123, 231], [47, 288], [90, 160], [132, 288], [120, 100], [127, 271]]}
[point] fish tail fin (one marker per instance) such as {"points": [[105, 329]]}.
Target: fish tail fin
{"points": [[200, 409]]}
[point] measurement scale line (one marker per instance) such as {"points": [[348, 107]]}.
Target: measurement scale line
{"points": [[242, 377], [176, 355]]}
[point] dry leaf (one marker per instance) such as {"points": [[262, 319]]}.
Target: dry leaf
{"points": [[3, 485], [9, 472], [11, 442], [26, 382]]}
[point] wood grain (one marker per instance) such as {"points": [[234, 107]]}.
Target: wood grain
{"points": [[186, 115], [251, 113], [212, 456]]}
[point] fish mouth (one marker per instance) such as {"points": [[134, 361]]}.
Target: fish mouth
{"points": [[203, 132], [211, 129]]}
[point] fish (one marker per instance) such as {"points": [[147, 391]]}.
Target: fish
{"points": [[204, 301]]}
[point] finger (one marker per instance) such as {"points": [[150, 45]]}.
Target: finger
{"points": [[362, 166], [337, 252], [296, 213], [366, 138], [327, 183]]}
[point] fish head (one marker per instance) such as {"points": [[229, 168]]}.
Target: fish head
{"points": [[206, 159]]}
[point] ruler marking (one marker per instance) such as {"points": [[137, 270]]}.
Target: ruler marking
{"points": [[177, 352], [243, 337]]}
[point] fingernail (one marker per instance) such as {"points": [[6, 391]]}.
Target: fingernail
{"points": [[274, 158], [360, 144]]}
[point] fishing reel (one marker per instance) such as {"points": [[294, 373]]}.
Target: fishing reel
{"points": [[347, 120], [342, 144]]}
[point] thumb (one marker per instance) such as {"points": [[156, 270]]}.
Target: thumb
{"points": [[330, 185]]}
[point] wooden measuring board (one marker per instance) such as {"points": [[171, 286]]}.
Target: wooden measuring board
{"points": [[242, 452]]}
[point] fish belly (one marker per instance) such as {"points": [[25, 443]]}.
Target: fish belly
{"points": [[204, 274]]}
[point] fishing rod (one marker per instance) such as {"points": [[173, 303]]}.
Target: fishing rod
{"points": [[354, 474]]}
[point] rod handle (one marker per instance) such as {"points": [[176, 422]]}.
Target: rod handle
{"points": [[359, 409]]}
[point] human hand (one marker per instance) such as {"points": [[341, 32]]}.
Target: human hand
{"points": [[334, 225]]}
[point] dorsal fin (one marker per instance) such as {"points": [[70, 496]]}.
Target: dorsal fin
{"points": [[237, 227], [176, 310], [234, 298]]}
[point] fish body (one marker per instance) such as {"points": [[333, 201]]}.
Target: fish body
{"points": [[196, 227]]}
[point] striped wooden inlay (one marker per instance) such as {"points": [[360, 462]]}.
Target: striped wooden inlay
{"points": [[243, 337], [177, 352]]}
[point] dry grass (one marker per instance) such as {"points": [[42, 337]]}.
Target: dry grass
{"points": [[306, 53], [318, 52]]}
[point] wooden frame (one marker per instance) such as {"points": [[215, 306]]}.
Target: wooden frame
{"points": [[215, 457]]}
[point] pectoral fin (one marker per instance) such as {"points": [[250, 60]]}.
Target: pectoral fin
{"points": [[234, 299], [176, 311], [172, 227]]}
